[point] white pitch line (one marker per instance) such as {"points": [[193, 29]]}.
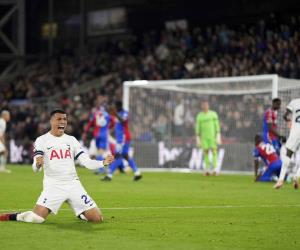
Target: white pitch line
{"points": [[178, 207]]}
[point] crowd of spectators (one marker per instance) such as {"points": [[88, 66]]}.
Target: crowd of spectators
{"points": [[266, 47]]}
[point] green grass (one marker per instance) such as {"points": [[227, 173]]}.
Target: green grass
{"points": [[163, 211]]}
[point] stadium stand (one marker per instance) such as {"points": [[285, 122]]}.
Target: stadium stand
{"points": [[269, 46]]}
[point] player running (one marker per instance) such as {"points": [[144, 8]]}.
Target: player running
{"points": [[56, 152], [208, 134], [100, 121], [5, 117], [270, 133], [268, 154], [123, 139], [292, 115]]}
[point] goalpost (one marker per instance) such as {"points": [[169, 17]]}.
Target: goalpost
{"points": [[162, 117]]}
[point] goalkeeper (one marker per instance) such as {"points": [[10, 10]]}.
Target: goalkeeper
{"points": [[208, 135]]}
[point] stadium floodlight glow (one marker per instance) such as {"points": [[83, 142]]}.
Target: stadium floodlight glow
{"points": [[240, 102]]}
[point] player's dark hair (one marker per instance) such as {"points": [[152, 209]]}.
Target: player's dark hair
{"points": [[57, 111], [205, 99], [119, 104], [258, 137], [275, 100]]}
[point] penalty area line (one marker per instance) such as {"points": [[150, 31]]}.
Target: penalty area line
{"points": [[179, 207]]}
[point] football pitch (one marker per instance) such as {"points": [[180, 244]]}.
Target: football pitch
{"points": [[162, 211]]}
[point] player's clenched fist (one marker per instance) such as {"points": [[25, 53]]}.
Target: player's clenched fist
{"points": [[39, 161], [108, 160]]}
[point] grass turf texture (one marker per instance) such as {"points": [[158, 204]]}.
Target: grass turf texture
{"points": [[162, 211]]}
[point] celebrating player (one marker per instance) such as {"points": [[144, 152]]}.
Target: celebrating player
{"points": [[268, 154], [293, 110], [5, 117], [270, 133], [123, 138], [56, 152], [208, 134], [100, 120]]}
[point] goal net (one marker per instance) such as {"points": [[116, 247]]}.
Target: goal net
{"points": [[162, 115]]}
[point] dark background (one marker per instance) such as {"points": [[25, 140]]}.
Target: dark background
{"points": [[142, 15]]}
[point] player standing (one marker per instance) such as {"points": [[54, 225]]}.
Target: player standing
{"points": [[270, 133], [100, 120], [292, 115], [268, 154], [208, 134], [123, 139], [5, 117], [56, 152]]}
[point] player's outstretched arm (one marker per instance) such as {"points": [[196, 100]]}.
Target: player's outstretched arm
{"points": [[87, 162], [108, 160]]}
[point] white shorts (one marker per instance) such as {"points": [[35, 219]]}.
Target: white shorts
{"points": [[293, 140], [2, 147], [53, 196]]}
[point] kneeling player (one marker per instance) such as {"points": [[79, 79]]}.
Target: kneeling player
{"points": [[268, 154], [56, 152]]}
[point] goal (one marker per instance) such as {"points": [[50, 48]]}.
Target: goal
{"points": [[162, 115]]}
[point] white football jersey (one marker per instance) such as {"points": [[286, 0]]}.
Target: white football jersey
{"points": [[2, 126], [59, 155], [294, 107]]}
